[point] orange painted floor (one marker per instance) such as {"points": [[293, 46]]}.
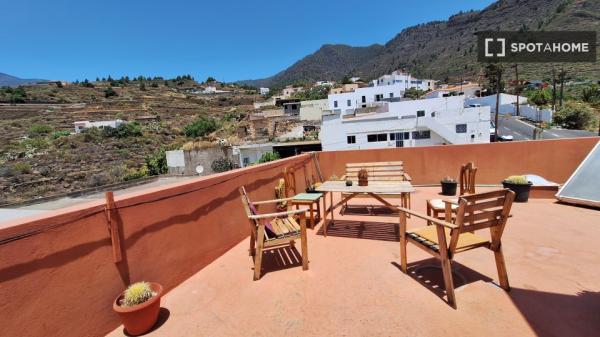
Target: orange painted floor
{"points": [[354, 286]]}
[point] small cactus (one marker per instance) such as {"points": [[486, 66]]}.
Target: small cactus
{"points": [[517, 180], [137, 293], [448, 180]]}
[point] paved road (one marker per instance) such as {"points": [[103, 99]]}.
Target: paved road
{"points": [[520, 130]]}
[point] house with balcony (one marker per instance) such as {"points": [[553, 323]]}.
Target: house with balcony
{"points": [[405, 80], [407, 123]]}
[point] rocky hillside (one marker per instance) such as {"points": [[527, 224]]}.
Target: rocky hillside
{"points": [[7, 80], [447, 49]]}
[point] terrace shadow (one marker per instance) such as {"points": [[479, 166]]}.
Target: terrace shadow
{"points": [[370, 230], [280, 258]]}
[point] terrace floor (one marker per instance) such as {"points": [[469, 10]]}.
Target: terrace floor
{"points": [[354, 286]]}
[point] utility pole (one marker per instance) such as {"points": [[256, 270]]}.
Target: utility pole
{"points": [[498, 78], [518, 91], [562, 83], [553, 89]]}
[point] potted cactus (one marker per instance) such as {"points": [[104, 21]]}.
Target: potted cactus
{"points": [[138, 306], [363, 177], [520, 185], [448, 186]]}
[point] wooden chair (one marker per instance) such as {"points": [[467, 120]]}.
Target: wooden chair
{"points": [[273, 230], [435, 207], [312, 200], [445, 239]]}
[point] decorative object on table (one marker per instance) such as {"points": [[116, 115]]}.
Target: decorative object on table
{"points": [[520, 185], [363, 177], [448, 186], [348, 182], [311, 188], [138, 307]]}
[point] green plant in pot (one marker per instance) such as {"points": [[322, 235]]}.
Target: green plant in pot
{"points": [[520, 185], [138, 306], [448, 186]]}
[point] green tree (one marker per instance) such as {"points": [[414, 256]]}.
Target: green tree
{"points": [[591, 94], [576, 115], [157, 163], [208, 80], [268, 156], [201, 127], [413, 93], [37, 130], [540, 97]]}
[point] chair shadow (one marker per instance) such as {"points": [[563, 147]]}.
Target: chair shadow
{"points": [[370, 230], [553, 314], [163, 316], [280, 258], [429, 274], [372, 210]]}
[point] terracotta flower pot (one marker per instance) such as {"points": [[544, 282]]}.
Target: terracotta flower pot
{"points": [[142, 317]]}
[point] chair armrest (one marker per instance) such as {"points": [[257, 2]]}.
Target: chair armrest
{"points": [[428, 218], [278, 214], [271, 201], [407, 177], [453, 202]]}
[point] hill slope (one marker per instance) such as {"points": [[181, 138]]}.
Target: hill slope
{"points": [[442, 49], [12, 81]]}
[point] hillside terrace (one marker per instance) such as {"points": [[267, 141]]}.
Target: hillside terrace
{"points": [[58, 271]]}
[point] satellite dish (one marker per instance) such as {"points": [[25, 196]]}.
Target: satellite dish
{"points": [[199, 169]]}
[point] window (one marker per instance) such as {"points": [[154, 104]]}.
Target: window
{"points": [[335, 104], [246, 161], [421, 113], [349, 102], [364, 99], [351, 139], [421, 134], [407, 135], [392, 136], [380, 137], [391, 95], [461, 128]]}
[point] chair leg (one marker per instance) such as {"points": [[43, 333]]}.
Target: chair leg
{"points": [[259, 252], [501, 266], [447, 270], [252, 249], [303, 242], [403, 241]]}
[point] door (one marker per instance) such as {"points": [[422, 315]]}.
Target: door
{"points": [[400, 137]]}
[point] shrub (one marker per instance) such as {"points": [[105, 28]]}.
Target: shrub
{"points": [[413, 93], [37, 130], [201, 127], [157, 163], [59, 134], [136, 174], [108, 92], [22, 168], [268, 156], [137, 293], [574, 115], [517, 180], [540, 97], [223, 164], [123, 131], [36, 143], [91, 134]]}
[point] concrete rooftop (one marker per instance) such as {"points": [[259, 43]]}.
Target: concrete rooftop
{"points": [[354, 286]]}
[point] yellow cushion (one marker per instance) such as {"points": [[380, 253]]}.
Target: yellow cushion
{"points": [[439, 204]]}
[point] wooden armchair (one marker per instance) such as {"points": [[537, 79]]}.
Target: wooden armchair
{"points": [[435, 207], [273, 230], [445, 239]]}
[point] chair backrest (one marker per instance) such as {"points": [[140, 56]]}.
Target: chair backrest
{"points": [[378, 171], [289, 176], [481, 211], [247, 204], [467, 178]]}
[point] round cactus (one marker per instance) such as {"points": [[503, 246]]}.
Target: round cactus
{"points": [[137, 293], [517, 180]]}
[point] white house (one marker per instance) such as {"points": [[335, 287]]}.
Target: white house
{"points": [[364, 97], [264, 91], [82, 125], [251, 153], [288, 91], [444, 120], [405, 80]]}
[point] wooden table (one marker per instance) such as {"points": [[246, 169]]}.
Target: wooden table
{"points": [[310, 199], [373, 190]]}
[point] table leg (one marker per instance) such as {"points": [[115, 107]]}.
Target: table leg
{"points": [[312, 216]]}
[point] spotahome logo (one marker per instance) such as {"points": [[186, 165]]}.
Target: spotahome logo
{"points": [[565, 46]]}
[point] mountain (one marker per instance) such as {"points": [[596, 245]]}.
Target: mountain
{"points": [[330, 62], [447, 49], [12, 81]]}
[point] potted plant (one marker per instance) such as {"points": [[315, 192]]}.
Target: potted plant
{"points": [[520, 185], [363, 177], [311, 188], [348, 182], [448, 186], [138, 306]]}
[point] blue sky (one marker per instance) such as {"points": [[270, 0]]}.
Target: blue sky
{"points": [[230, 40]]}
